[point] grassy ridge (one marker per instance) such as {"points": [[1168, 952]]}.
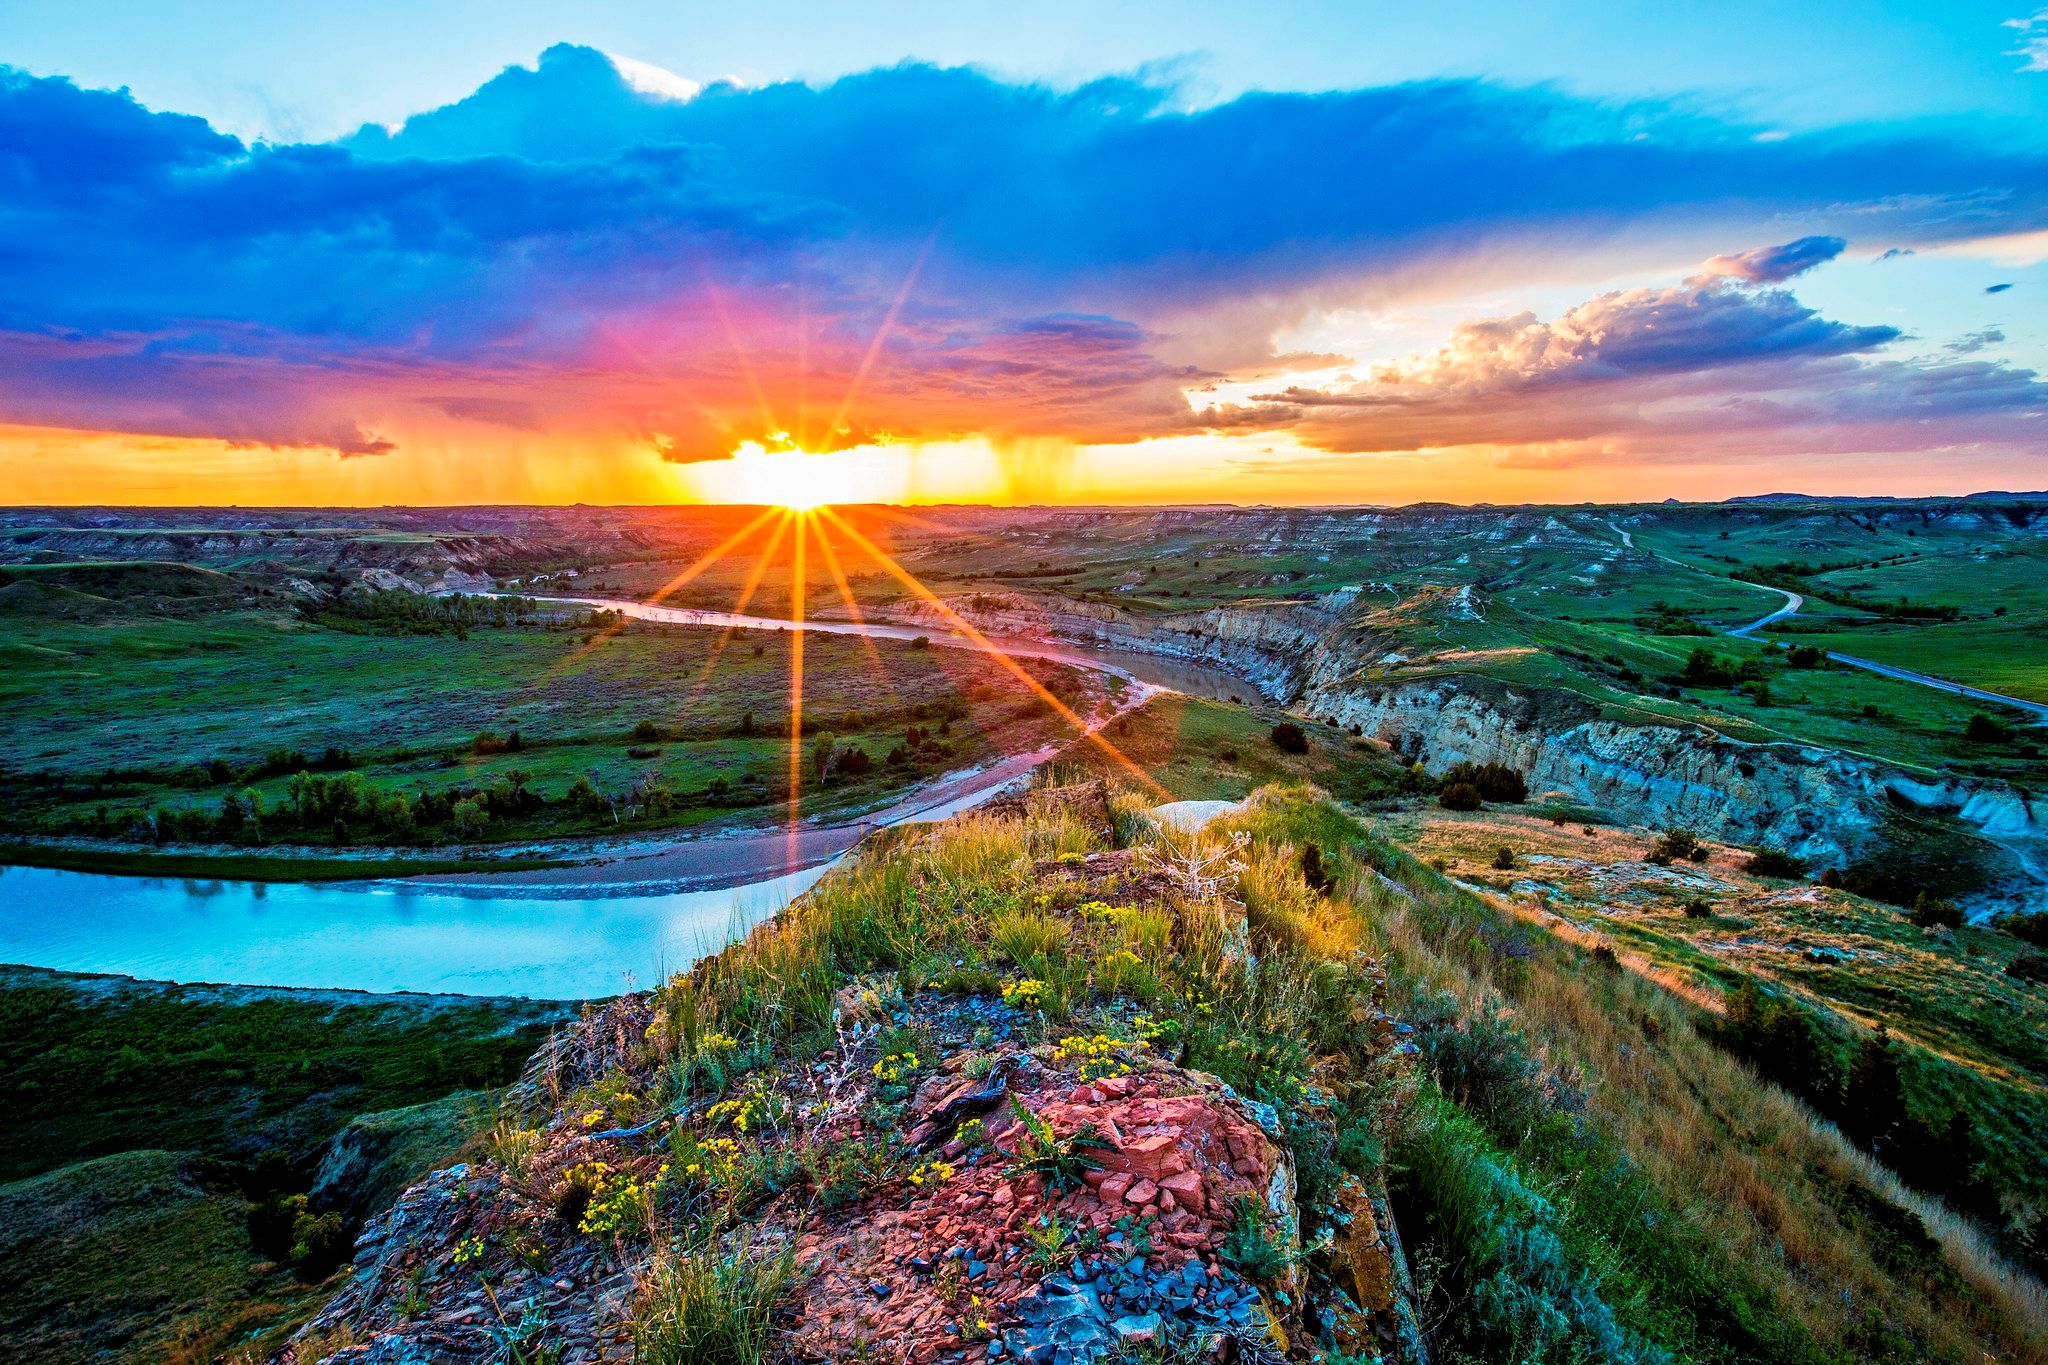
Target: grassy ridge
{"points": [[125, 711], [1716, 1213], [1582, 1175]]}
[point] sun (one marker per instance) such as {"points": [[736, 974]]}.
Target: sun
{"points": [[797, 480]]}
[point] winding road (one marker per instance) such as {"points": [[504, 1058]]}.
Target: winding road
{"points": [[1793, 602]]}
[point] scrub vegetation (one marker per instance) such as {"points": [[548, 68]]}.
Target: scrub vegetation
{"points": [[162, 1141]]}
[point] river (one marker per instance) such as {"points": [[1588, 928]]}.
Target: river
{"points": [[569, 933]]}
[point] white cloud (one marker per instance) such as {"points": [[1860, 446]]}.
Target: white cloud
{"points": [[2033, 48]]}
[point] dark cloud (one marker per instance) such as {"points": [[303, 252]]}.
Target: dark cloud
{"points": [[1996, 288], [1971, 342], [1896, 253], [563, 247], [1775, 264]]}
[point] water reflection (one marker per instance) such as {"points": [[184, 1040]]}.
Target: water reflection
{"points": [[370, 936]]}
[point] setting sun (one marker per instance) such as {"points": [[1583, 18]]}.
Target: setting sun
{"points": [[796, 479]]}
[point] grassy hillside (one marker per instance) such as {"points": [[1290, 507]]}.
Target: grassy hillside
{"points": [[151, 1125], [1580, 1172], [140, 1256], [1711, 1207]]}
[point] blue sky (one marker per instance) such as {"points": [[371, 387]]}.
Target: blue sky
{"points": [[1318, 252], [316, 71]]}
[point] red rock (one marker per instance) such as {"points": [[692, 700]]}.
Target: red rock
{"points": [[1143, 1192], [1115, 1087], [1146, 1156], [1186, 1187], [1114, 1184]]}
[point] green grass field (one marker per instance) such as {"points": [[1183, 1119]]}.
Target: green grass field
{"points": [[121, 705]]}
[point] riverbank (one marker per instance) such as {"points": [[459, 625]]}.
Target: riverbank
{"points": [[129, 860]]}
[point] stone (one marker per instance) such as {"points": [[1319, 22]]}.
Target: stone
{"points": [[1115, 1184], [1186, 1188], [1138, 1327], [1142, 1192]]}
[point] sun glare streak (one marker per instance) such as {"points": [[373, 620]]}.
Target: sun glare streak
{"points": [[712, 556], [796, 686], [762, 562], [881, 336], [988, 646], [740, 353], [867, 639]]}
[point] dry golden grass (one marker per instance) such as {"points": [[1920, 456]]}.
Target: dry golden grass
{"points": [[1747, 1162]]}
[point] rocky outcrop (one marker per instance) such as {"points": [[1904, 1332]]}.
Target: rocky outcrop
{"points": [[1819, 803], [374, 1157], [1318, 655], [950, 1179]]}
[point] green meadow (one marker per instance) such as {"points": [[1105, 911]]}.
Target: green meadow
{"points": [[164, 690]]}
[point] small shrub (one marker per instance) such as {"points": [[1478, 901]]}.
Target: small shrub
{"points": [[1459, 796], [1290, 738], [843, 1170], [1674, 844], [1059, 1161], [2031, 927], [647, 731], [1494, 781], [2029, 967], [1250, 1245], [1698, 908], [570, 1200], [1775, 862], [1504, 859], [1931, 912], [1982, 729]]}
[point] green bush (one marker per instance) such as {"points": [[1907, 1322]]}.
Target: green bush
{"points": [[1460, 796], [1784, 1042], [1493, 781], [1290, 738], [1775, 862], [1982, 729], [1931, 912], [1515, 1289], [1675, 844]]}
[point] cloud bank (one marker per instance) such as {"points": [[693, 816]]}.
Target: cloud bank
{"points": [[923, 253]]}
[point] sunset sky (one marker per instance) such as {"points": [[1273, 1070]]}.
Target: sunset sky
{"points": [[1174, 253]]}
